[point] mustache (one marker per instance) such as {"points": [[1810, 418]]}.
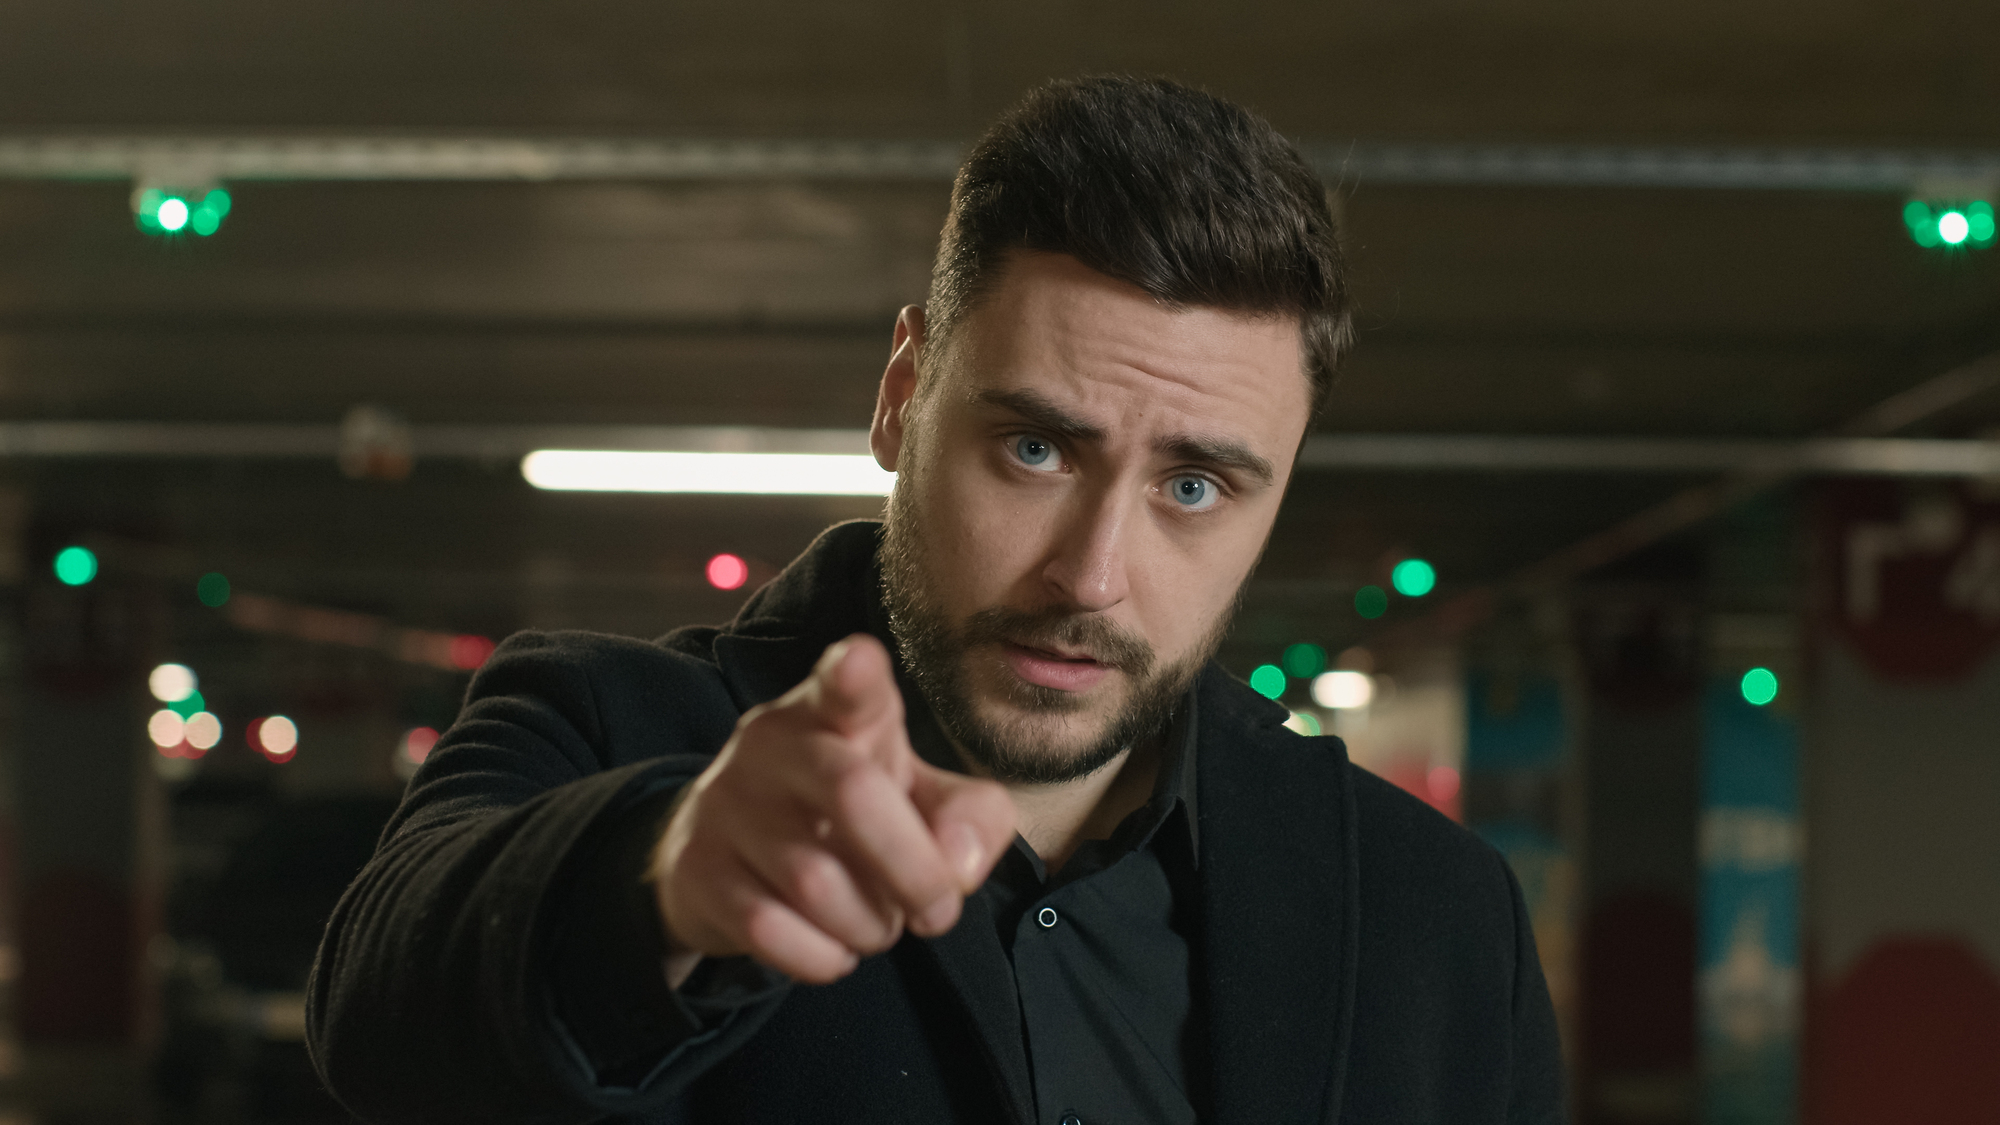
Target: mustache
{"points": [[1059, 629]]}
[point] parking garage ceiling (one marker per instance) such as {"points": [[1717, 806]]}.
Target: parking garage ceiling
{"points": [[1489, 308]]}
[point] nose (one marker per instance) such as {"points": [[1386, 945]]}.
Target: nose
{"points": [[1087, 564]]}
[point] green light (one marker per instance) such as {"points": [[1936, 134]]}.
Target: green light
{"points": [[1979, 223], [1306, 723], [186, 708], [212, 589], [1933, 224], [207, 216], [1370, 602], [1268, 680], [75, 566], [1413, 578], [1760, 686], [1303, 661]]}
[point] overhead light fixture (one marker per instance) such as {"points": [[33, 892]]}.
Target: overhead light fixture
{"points": [[1949, 225], [763, 474]]}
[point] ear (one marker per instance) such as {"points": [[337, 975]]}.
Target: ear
{"points": [[899, 386]]}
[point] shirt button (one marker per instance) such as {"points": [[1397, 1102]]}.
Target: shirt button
{"points": [[1047, 918], [1071, 1119]]}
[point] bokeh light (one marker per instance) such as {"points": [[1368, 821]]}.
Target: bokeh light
{"points": [[1371, 602], [202, 731], [417, 744], [212, 589], [1303, 661], [166, 729], [188, 704], [75, 566], [1953, 228], [1760, 686], [470, 650], [1442, 783], [1304, 722], [171, 683], [276, 737], [728, 572], [1343, 690], [1268, 680], [1413, 578], [173, 214]]}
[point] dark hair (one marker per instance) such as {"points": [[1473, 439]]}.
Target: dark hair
{"points": [[1191, 198]]}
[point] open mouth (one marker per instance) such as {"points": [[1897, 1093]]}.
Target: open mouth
{"points": [[1060, 671]]}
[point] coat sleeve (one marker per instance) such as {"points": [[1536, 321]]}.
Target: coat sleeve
{"points": [[1538, 1084], [431, 998]]}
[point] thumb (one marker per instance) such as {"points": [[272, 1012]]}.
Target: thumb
{"points": [[972, 819], [853, 687]]}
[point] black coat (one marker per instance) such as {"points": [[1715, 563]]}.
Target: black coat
{"points": [[1365, 960]]}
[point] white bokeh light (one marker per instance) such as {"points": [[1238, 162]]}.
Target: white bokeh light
{"points": [[202, 730], [1343, 691], [166, 729], [278, 737], [770, 474], [171, 683]]}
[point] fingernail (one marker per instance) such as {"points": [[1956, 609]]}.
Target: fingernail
{"points": [[963, 845]]}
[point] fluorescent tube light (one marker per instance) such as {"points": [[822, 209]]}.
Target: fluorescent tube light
{"points": [[766, 474]]}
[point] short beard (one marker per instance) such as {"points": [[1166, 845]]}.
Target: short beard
{"points": [[934, 655]]}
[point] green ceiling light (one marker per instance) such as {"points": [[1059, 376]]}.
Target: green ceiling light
{"points": [[1949, 225], [170, 210], [1268, 680], [1303, 661], [1760, 686], [207, 216], [212, 589], [75, 566], [1413, 578], [1371, 602], [188, 705]]}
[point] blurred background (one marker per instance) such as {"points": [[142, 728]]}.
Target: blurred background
{"points": [[1654, 531]]}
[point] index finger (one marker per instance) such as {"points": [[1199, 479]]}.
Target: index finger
{"points": [[853, 686]]}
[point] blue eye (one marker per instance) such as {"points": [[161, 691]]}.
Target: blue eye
{"points": [[1036, 453], [1192, 492]]}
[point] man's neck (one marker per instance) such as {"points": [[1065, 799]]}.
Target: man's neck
{"points": [[1057, 819]]}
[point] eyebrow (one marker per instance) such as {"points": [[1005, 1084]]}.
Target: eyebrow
{"points": [[1223, 453], [1039, 411]]}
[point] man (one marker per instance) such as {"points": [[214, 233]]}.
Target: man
{"points": [[957, 821]]}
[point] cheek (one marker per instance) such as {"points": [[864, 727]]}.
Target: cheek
{"points": [[1185, 584], [982, 538]]}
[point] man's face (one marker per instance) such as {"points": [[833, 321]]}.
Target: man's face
{"points": [[1085, 479]]}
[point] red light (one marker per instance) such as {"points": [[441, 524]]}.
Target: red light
{"points": [[1442, 781], [417, 744], [727, 572], [470, 651]]}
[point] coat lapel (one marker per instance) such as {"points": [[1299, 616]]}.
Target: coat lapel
{"points": [[1280, 909]]}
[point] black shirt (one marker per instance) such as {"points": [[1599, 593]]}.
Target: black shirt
{"points": [[1103, 958], [1101, 955]]}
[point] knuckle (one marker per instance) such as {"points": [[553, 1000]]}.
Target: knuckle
{"points": [[812, 880]]}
